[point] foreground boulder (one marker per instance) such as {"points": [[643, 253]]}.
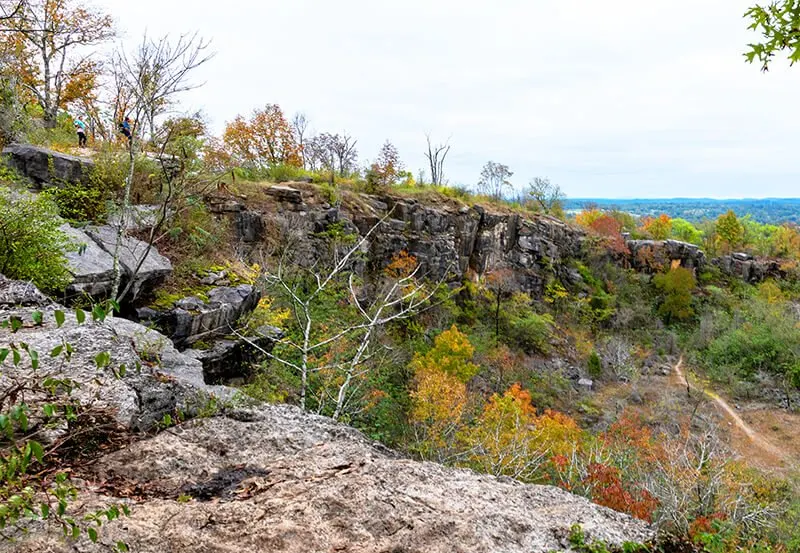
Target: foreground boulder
{"points": [[275, 479], [47, 167]]}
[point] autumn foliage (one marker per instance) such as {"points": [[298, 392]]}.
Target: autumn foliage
{"points": [[610, 229], [263, 140], [659, 228]]}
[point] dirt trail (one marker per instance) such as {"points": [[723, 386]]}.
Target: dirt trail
{"points": [[754, 436]]}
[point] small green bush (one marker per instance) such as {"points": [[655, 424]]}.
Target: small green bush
{"points": [[78, 203], [594, 366], [285, 173], [31, 245], [532, 332]]}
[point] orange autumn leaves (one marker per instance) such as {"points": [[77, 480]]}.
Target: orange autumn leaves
{"points": [[506, 435], [263, 140]]}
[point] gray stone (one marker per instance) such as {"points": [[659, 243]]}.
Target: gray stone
{"points": [[273, 478], [47, 167], [137, 217], [192, 319], [158, 380], [91, 266], [285, 194], [232, 361], [748, 268], [146, 267], [249, 226], [656, 255], [586, 383]]}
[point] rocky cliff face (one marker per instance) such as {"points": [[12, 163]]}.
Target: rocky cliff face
{"points": [[449, 240], [47, 167], [272, 478]]}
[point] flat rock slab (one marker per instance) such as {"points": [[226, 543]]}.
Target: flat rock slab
{"points": [[91, 266], [147, 267], [192, 319], [47, 167], [275, 479]]}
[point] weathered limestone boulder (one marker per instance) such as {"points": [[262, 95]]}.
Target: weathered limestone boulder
{"points": [[249, 226], [164, 383], [92, 264], [749, 268], [285, 193], [47, 167], [192, 319], [273, 478], [655, 255], [144, 265], [231, 361]]}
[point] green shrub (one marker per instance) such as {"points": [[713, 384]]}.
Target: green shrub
{"points": [[532, 332], [31, 245], [676, 286], [594, 366], [77, 202], [195, 230], [285, 173]]}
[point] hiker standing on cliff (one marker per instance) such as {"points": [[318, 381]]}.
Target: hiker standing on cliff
{"points": [[125, 128], [80, 127]]}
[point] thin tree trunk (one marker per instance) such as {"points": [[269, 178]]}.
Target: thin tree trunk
{"points": [[126, 200]]}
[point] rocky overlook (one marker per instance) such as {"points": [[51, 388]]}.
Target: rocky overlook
{"points": [[269, 477]]}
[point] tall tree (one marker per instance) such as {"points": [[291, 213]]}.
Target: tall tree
{"points": [[494, 179], [300, 128], [152, 77], [386, 167], [729, 231], [547, 197], [436, 155], [266, 139], [54, 35]]}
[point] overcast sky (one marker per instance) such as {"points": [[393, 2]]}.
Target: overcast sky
{"points": [[608, 99]]}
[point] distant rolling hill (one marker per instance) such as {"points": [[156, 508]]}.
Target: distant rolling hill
{"points": [[764, 210]]}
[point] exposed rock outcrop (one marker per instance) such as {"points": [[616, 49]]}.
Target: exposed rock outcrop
{"points": [[47, 167], [276, 479], [231, 361], [158, 380], [145, 266], [655, 255], [448, 239], [192, 319], [92, 263], [749, 268]]}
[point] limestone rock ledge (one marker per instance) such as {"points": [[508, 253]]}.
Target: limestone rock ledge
{"points": [[273, 478]]}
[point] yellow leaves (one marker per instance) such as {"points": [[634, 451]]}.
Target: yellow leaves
{"points": [[401, 265], [588, 216], [451, 353], [438, 400]]}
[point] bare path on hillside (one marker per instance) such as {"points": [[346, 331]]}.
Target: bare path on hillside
{"points": [[754, 436]]}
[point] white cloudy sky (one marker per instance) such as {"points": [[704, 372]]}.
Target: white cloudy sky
{"points": [[619, 98]]}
